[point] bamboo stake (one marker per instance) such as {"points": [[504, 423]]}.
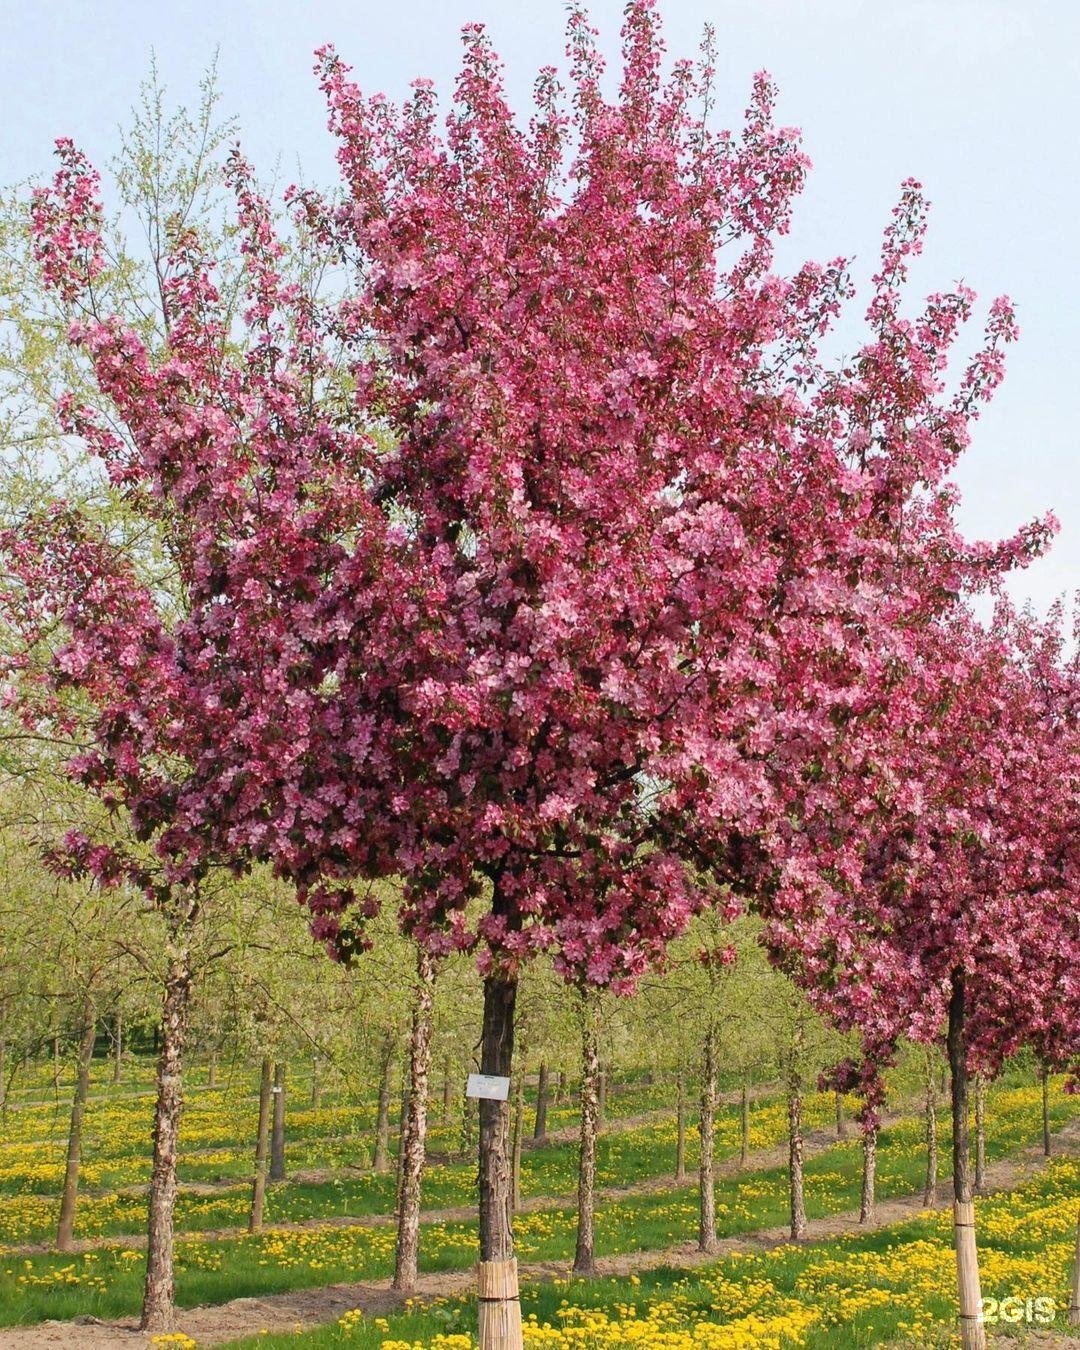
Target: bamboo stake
{"points": [[1074, 1306], [500, 1310], [972, 1329]]}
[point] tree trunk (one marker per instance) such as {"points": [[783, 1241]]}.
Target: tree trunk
{"points": [[447, 1092], [561, 1093], [841, 1119], [158, 1290], [680, 1128], [519, 1130], [795, 1139], [500, 1306], [65, 1230], [118, 1047], [585, 1247], [869, 1173], [972, 1330], [277, 1135], [381, 1160], [744, 1123], [1044, 1075], [258, 1186], [1074, 1302], [706, 1177], [316, 1085], [403, 1127], [3, 1071], [601, 1100], [980, 1134], [413, 1153], [930, 1109], [211, 1076], [540, 1124], [469, 1112]]}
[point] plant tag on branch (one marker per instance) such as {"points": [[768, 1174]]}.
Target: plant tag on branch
{"points": [[489, 1086]]}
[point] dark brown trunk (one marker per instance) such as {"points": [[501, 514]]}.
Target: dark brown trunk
{"points": [[1044, 1076], [591, 1078], [258, 1185], [496, 1058], [65, 1229], [930, 1113], [980, 1134], [744, 1123], [277, 1133], [957, 1047], [706, 1175], [680, 1128], [540, 1124], [561, 1093], [972, 1330], [869, 1173], [499, 1304], [381, 1160], [158, 1290], [413, 1156], [795, 1139], [316, 1085]]}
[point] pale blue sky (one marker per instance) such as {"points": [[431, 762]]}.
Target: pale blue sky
{"points": [[977, 98]]}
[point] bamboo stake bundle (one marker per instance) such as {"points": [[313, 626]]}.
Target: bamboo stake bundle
{"points": [[972, 1328], [500, 1311]]}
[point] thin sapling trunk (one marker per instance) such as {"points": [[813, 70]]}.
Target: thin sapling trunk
{"points": [[585, 1247], [65, 1229], [972, 1329], [413, 1156]]}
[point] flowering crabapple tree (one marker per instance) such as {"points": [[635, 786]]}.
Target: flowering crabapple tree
{"points": [[115, 616], [656, 557], [951, 912], [549, 565]]}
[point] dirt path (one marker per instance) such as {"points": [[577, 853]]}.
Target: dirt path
{"points": [[304, 1308]]}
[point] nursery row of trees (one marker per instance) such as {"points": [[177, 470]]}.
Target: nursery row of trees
{"points": [[687, 1033], [499, 541]]}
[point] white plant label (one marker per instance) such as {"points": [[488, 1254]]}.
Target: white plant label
{"points": [[488, 1086]]}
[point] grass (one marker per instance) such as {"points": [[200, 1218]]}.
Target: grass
{"points": [[107, 1283], [892, 1286], [217, 1144], [116, 1158]]}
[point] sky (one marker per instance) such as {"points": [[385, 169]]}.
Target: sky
{"points": [[978, 99]]}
